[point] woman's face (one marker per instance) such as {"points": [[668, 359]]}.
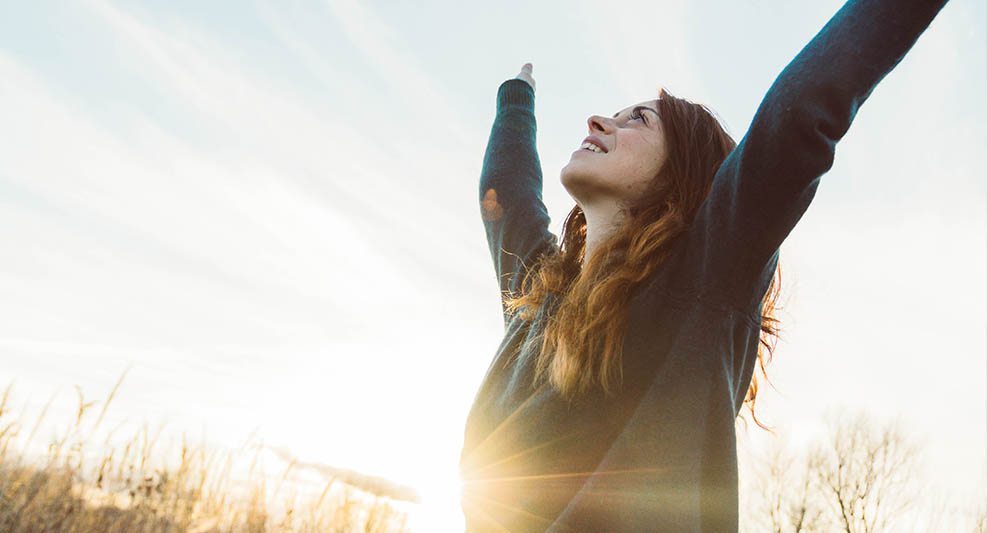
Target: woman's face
{"points": [[635, 151]]}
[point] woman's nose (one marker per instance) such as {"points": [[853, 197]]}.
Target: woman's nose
{"points": [[598, 123]]}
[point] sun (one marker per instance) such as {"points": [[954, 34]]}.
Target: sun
{"points": [[439, 509]]}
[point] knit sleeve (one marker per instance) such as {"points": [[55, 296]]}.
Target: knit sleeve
{"points": [[514, 217], [766, 184]]}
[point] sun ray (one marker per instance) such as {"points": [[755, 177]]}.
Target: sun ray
{"points": [[521, 453], [567, 475], [479, 447], [511, 508]]}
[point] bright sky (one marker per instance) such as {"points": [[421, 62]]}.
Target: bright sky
{"points": [[271, 212]]}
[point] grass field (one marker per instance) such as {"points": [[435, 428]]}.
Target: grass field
{"points": [[76, 483]]}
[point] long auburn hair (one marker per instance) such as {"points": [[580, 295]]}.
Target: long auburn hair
{"points": [[583, 340]]}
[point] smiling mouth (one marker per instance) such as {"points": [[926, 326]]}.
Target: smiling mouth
{"points": [[591, 147]]}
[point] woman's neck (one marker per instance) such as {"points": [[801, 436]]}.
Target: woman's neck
{"points": [[602, 221]]}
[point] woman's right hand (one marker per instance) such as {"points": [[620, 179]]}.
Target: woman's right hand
{"points": [[525, 75]]}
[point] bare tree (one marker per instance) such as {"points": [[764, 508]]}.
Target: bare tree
{"points": [[863, 470], [787, 494], [863, 476]]}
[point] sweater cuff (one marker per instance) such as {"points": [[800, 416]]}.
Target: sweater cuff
{"points": [[516, 91]]}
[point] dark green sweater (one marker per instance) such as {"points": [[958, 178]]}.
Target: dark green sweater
{"points": [[661, 455]]}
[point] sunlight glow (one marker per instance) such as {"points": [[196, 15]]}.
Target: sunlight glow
{"points": [[440, 508]]}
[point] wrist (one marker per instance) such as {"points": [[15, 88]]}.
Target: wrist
{"points": [[516, 91]]}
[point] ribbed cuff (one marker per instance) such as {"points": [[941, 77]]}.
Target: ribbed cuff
{"points": [[516, 91]]}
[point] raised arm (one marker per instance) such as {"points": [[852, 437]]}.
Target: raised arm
{"points": [[667, 470], [511, 207], [766, 184]]}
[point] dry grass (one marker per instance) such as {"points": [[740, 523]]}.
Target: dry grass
{"points": [[78, 485]]}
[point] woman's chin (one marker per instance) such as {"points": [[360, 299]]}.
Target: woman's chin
{"points": [[572, 167], [572, 178]]}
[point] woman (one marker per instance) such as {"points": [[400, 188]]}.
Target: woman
{"points": [[630, 348]]}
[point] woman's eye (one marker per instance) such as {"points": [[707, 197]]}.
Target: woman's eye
{"points": [[637, 114]]}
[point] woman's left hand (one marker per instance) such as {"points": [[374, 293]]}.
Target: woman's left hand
{"points": [[525, 75]]}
